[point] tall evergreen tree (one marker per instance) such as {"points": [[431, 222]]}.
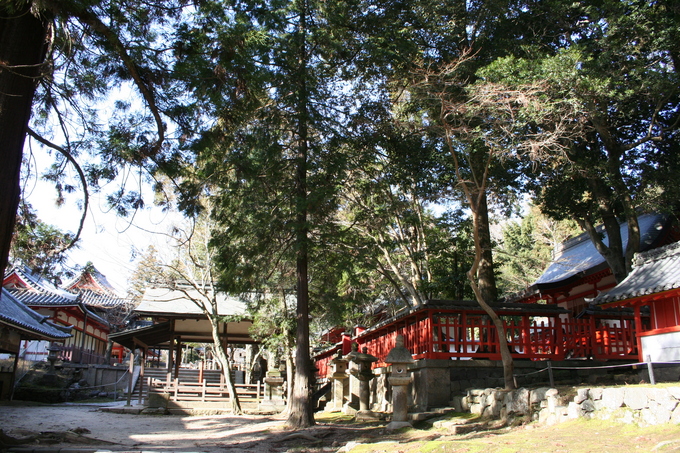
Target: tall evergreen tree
{"points": [[270, 81]]}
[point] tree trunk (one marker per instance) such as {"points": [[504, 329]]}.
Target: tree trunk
{"points": [[218, 348], [22, 51], [486, 279], [483, 281], [301, 414]]}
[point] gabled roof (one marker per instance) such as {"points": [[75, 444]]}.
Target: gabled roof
{"points": [[153, 335], [178, 303], [578, 256], [94, 299], [653, 272], [32, 325], [22, 281], [95, 290], [91, 279]]}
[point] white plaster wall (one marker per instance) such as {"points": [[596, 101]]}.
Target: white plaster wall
{"points": [[661, 348]]}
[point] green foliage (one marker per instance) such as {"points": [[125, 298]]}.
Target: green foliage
{"points": [[527, 248], [39, 246]]}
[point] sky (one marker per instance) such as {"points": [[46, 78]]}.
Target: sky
{"points": [[111, 243]]}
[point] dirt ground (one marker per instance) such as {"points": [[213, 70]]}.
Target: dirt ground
{"points": [[59, 426], [51, 428]]}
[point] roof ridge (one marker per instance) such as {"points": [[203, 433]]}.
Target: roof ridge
{"points": [[643, 258]]}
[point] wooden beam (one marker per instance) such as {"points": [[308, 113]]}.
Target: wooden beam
{"points": [[139, 342]]}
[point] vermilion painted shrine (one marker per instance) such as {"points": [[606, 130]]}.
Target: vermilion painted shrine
{"points": [[564, 315]]}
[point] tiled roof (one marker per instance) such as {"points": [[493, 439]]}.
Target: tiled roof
{"points": [[37, 283], [157, 301], [34, 326], [36, 299], [654, 271], [93, 299], [579, 255], [42, 299], [96, 278]]}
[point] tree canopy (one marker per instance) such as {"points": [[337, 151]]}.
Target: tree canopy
{"points": [[327, 135]]}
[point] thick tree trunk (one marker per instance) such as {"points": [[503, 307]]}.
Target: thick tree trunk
{"points": [[301, 414], [22, 51], [483, 281], [486, 279]]}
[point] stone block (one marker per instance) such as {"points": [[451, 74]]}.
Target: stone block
{"points": [[517, 402], [628, 417], [588, 406], [675, 415], [538, 395], [662, 397], [158, 400], [495, 407], [674, 392], [635, 398], [574, 411], [612, 398], [476, 409], [599, 405], [659, 413], [595, 394], [581, 395], [459, 403]]}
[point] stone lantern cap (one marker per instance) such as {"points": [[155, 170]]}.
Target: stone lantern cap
{"points": [[399, 354], [364, 357], [339, 358]]}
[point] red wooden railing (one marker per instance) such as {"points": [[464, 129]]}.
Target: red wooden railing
{"points": [[439, 334]]}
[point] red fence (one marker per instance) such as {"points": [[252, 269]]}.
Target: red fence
{"points": [[439, 334]]}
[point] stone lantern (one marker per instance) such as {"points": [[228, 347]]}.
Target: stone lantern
{"points": [[364, 374], [400, 358], [340, 383], [273, 391], [52, 356]]}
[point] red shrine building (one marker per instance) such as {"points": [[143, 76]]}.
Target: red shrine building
{"points": [[88, 304], [574, 310]]}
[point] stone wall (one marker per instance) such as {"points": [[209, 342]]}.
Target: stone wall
{"points": [[641, 405], [437, 382]]}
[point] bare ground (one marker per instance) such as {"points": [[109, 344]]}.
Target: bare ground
{"points": [[51, 428]]}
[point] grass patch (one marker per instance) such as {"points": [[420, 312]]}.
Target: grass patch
{"points": [[579, 436]]}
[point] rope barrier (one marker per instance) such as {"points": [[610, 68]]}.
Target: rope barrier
{"points": [[649, 365], [105, 385]]}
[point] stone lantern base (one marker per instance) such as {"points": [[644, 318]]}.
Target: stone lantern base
{"points": [[367, 416], [393, 426]]}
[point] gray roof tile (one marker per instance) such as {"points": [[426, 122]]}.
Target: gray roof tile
{"points": [[654, 271], [35, 326]]}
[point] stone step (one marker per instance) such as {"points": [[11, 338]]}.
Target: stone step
{"points": [[436, 412], [454, 427]]}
